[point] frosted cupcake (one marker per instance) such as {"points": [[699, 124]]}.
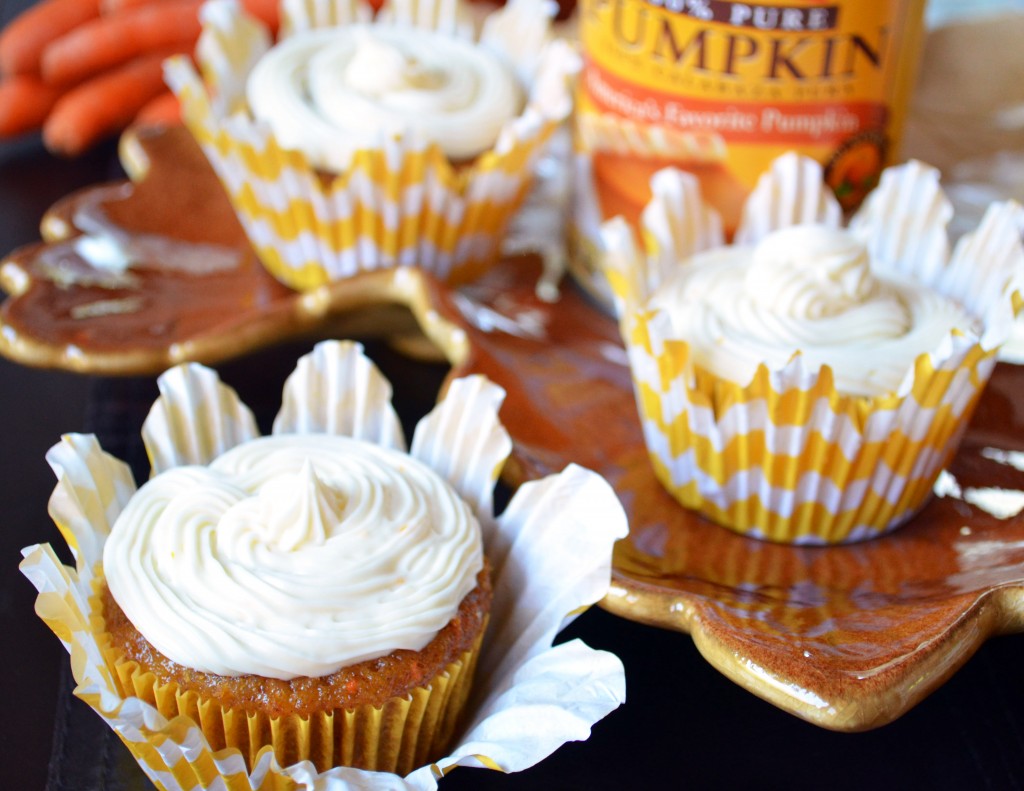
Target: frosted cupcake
{"points": [[808, 383], [310, 605], [355, 143], [315, 592]]}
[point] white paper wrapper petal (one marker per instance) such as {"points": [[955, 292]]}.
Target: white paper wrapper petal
{"points": [[519, 33], [229, 46], [996, 241], [551, 558], [463, 440], [443, 16], [336, 390], [679, 221], [676, 224], [299, 15], [626, 268], [196, 418], [93, 488], [791, 192], [506, 735], [904, 221]]}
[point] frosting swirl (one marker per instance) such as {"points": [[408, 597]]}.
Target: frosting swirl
{"points": [[812, 272], [327, 92], [810, 289], [293, 555]]}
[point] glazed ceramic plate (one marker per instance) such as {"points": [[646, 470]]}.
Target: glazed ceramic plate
{"points": [[194, 290], [848, 638]]}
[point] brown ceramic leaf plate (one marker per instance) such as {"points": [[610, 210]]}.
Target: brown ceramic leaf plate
{"points": [[194, 290], [848, 638]]}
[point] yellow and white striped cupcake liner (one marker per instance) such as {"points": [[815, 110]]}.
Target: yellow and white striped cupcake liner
{"points": [[786, 457], [401, 203]]}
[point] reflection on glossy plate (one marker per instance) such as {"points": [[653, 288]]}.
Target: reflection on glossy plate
{"points": [[845, 637]]}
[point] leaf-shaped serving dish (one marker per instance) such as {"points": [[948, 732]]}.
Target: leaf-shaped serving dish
{"points": [[846, 637], [194, 289]]}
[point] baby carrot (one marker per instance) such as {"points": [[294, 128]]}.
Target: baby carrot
{"points": [[162, 110], [25, 37], [108, 7], [25, 101], [110, 41], [267, 11], [103, 105]]}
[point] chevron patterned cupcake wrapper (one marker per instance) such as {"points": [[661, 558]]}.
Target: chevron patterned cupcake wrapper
{"points": [[785, 456], [400, 203]]}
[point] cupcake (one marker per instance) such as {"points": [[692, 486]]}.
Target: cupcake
{"points": [[315, 592], [358, 143], [808, 383], [310, 606]]}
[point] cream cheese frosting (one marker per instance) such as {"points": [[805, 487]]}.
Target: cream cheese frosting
{"points": [[293, 555], [327, 92], [812, 289]]}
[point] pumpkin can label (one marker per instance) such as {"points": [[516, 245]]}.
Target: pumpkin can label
{"points": [[721, 89]]}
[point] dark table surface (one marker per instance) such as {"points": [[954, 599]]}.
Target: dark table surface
{"points": [[683, 722]]}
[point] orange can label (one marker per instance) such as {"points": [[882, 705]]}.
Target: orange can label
{"points": [[723, 88]]}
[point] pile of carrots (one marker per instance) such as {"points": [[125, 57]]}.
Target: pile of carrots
{"points": [[83, 70]]}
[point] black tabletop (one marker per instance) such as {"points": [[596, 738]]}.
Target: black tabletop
{"points": [[683, 723]]}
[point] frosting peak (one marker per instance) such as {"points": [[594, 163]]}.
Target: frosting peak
{"points": [[290, 511], [378, 68], [812, 271]]}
